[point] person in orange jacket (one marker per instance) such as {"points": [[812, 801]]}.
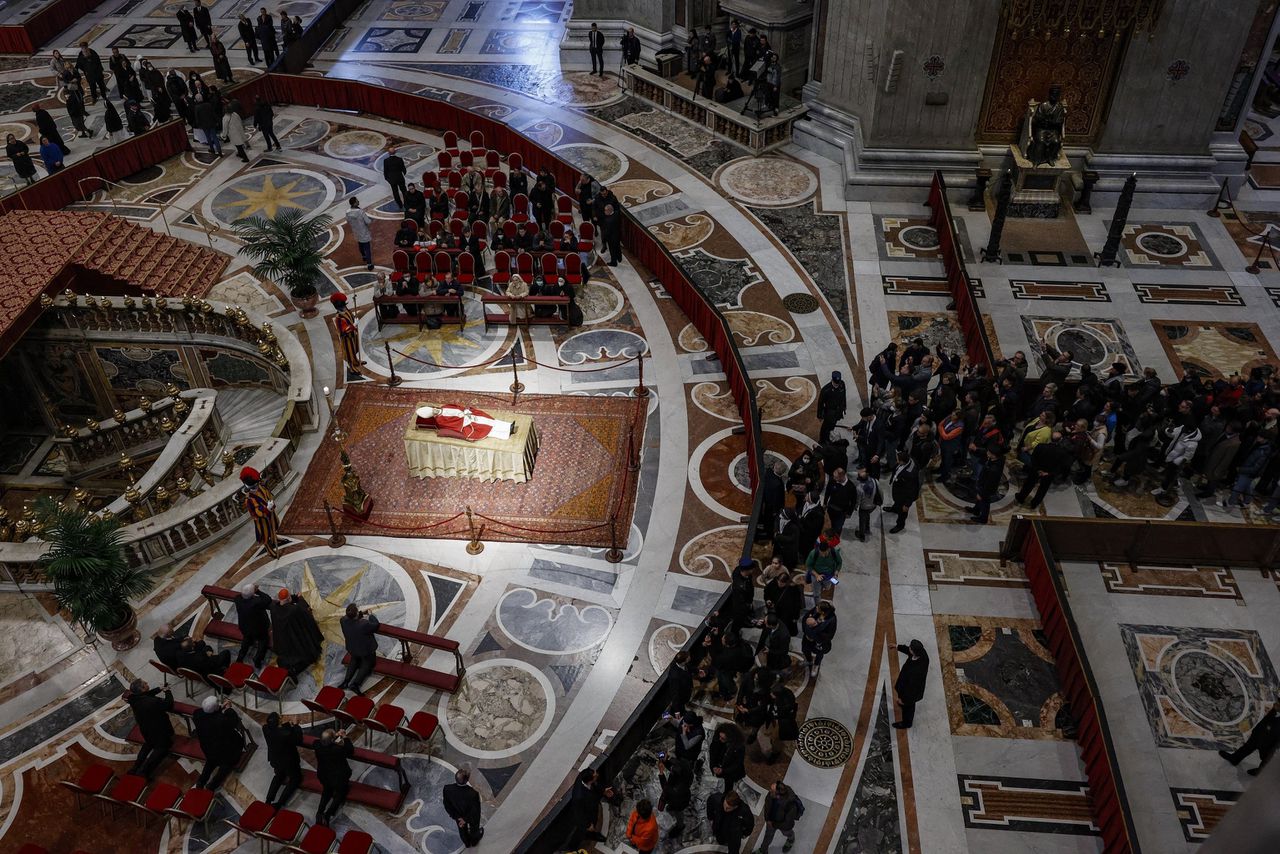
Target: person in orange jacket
{"points": [[642, 828]]}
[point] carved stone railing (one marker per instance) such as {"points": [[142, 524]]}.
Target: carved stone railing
{"points": [[168, 536]]}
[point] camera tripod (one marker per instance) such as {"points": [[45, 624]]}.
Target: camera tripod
{"points": [[758, 96]]}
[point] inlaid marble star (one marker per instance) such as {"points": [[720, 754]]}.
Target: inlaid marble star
{"points": [[269, 199], [433, 341], [329, 610]]}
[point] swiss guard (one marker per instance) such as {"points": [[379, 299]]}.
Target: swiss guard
{"points": [[261, 506], [348, 332]]}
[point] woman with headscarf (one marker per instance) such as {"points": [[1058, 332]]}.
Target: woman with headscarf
{"points": [[20, 155], [111, 121], [49, 128]]}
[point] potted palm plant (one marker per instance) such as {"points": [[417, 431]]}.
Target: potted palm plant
{"points": [[286, 249], [91, 578]]}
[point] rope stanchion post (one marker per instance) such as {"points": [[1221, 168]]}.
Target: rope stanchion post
{"points": [[1223, 200], [633, 453], [641, 389], [1254, 267], [516, 385], [336, 540], [395, 380], [614, 554], [475, 546]]}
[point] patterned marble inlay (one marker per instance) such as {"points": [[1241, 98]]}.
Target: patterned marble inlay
{"points": [[998, 677], [767, 181], [599, 161], [1068, 291], [1211, 582], [684, 138], [721, 280], [502, 707], [873, 824], [1188, 294], [907, 238], [1026, 805], [811, 237], [1201, 688], [976, 569], [937, 328], [1214, 350], [926, 286], [391, 40], [824, 742], [29, 641], [1094, 341], [1200, 810], [1170, 244]]}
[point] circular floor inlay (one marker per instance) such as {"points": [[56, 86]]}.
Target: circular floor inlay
{"points": [[919, 236], [824, 742], [767, 181], [355, 144], [1164, 245], [503, 706], [1210, 686], [602, 163], [800, 303]]}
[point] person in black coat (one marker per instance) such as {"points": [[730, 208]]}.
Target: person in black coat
{"points": [[295, 638], [904, 487], [265, 30], [187, 24], [675, 776], [462, 803], [333, 767], [784, 598], [283, 741], [727, 755], [49, 128], [167, 646], [630, 46], [730, 820], [249, 37], [544, 204], [151, 707], [1264, 738], [264, 119], [415, 204], [252, 610], [136, 119], [200, 657], [359, 629], [818, 629], [1048, 461], [221, 737], [611, 233], [988, 485], [89, 63], [679, 684], [20, 155], [393, 169], [584, 807], [910, 683], [595, 46], [204, 22]]}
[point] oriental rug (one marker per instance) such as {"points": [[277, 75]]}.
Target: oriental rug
{"points": [[580, 481]]}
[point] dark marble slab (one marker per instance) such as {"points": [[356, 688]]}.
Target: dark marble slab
{"points": [[814, 239], [598, 580], [872, 825], [62, 718]]}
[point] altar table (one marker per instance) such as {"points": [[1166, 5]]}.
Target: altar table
{"points": [[432, 455]]}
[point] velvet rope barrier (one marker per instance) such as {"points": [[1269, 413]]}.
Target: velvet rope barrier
{"points": [[531, 361], [353, 517]]}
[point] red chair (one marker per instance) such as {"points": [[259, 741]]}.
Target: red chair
{"points": [[443, 264], [460, 204], [480, 231], [355, 842], [420, 728], [501, 268], [125, 792], [191, 677], [329, 698], [557, 230], [531, 230], [455, 180], [455, 227], [499, 178], [159, 801], [524, 266], [436, 214], [445, 160], [400, 266], [466, 268], [196, 805], [436, 227], [92, 782], [411, 224], [587, 234], [564, 210], [318, 840], [451, 142], [284, 828], [465, 159], [430, 180], [270, 681], [520, 208], [165, 671], [509, 231], [492, 165], [422, 265], [550, 269], [386, 719], [354, 712], [573, 269], [253, 821], [477, 140], [233, 679], [515, 163]]}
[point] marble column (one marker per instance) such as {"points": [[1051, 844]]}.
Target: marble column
{"points": [[652, 19]]}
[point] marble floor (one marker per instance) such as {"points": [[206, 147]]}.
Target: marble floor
{"points": [[560, 643]]}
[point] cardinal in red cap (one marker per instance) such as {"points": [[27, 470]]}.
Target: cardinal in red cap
{"points": [[348, 331], [260, 504]]}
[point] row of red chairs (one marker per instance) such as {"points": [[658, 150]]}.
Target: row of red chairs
{"points": [[510, 230], [237, 677], [548, 263], [438, 266], [455, 226], [451, 179], [359, 711], [264, 822], [164, 801]]}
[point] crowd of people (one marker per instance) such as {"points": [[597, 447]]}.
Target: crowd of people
{"points": [[746, 59]]}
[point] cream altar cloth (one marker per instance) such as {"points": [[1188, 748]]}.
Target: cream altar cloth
{"points": [[432, 455]]}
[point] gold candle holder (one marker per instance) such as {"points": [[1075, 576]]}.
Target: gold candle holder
{"points": [[144, 403]]}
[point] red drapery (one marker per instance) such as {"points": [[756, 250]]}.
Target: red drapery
{"points": [[30, 35], [977, 347], [1110, 810]]}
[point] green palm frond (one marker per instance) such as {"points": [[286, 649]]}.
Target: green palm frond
{"points": [[286, 248], [86, 563]]}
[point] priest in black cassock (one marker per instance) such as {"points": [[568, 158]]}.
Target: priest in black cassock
{"points": [[295, 637]]}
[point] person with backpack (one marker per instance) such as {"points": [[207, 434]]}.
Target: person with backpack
{"points": [[782, 809], [642, 828]]}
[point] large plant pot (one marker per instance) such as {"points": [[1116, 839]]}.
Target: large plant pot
{"points": [[306, 306], [126, 637]]}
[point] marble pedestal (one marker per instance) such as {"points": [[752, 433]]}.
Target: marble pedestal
{"points": [[789, 28], [1037, 189]]}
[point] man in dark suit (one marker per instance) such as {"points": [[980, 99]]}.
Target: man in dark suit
{"points": [[333, 752], [1264, 738], [595, 44], [90, 64], [611, 232], [904, 487], [584, 807], [359, 630], [393, 169], [249, 37], [630, 46], [252, 608], [282, 741], [204, 23], [265, 29], [910, 683], [167, 646], [199, 656], [679, 684], [151, 707], [462, 803], [832, 403], [221, 737]]}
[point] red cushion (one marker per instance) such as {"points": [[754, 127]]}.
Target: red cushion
{"points": [[356, 842], [255, 818], [358, 707], [163, 796], [272, 678], [285, 825], [389, 716], [128, 788], [318, 840], [330, 697], [95, 778], [196, 803], [237, 673], [423, 725]]}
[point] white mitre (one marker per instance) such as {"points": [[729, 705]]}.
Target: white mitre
{"points": [[499, 429]]}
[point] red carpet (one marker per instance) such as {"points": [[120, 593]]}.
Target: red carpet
{"points": [[578, 483]]}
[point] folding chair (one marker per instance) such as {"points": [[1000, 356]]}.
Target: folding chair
{"points": [[253, 821], [329, 698], [195, 805], [420, 728], [385, 719], [92, 782], [270, 681], [501, 269]]}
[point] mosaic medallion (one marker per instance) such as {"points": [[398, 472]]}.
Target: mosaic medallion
{"points": [[306, 132], [800, 303], [922, 237], [267, 193], [502, 707], [599, 161], [824, 743], [907, 238], [22, 132], [1167, 244], [355, 144], [769, 181], [1097, 342]]}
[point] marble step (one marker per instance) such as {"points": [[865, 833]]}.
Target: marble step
{"points": [[250, 414]]}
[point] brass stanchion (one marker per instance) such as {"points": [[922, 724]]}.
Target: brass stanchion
{"points": [[614, 554], [336, 540], [633, 453], [516, 385], [641, 389], [1254, 267], [395, 380], [475, 546]]}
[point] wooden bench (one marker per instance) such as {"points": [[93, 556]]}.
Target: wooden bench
{"points": [[406, 671], [364, 793], [219, 627], [504, 318], [188, 745], [420, 300]]}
